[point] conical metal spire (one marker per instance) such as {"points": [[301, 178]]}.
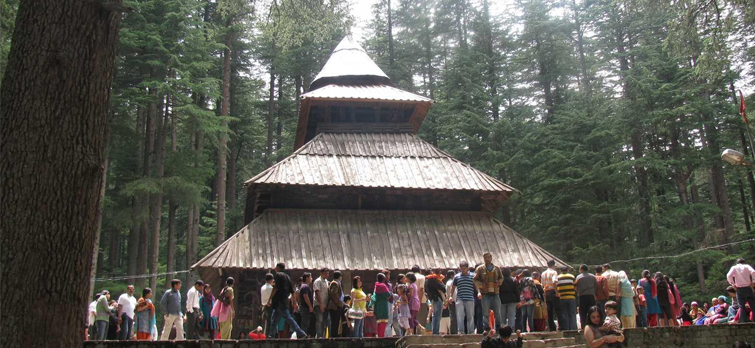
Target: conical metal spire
{"points": [[350, 64]]}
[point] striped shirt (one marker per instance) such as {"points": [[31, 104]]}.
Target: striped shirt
{"points": [[565, 287], [549, 279], [465, 289]]}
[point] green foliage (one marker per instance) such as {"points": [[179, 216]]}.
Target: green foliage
{"points": [[569, 102]]}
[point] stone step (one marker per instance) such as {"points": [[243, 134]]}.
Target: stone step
{"points": [[407, 341], [541, 335], [445, 342], [549, 343]]}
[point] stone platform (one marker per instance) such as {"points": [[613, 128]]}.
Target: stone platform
{"points": [[660, 337]]}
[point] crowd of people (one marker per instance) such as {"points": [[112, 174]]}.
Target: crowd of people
{"points": [[482, 299], [130, 319]]}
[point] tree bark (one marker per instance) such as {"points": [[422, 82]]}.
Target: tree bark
{"points": [[189, 234], [745, 213], [270, 116], [279, 122], [171, 265], [700, 233], [718, 192], [53, 118], [224, 113], [96, 250], [585, 82], [156, 201], [391, 58]]}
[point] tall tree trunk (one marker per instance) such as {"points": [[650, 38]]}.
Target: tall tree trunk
{"points": [[646, 229], [279, 122], [224, 112], [133, 239], [270, 117], [133, 236], [585, 82], [742, 197], [750, 177], [718, 192], [189, 236], [144, 198], [171, 266], [156, 201], [700, 233], [96, 250], [391, 57], [53, 119]]}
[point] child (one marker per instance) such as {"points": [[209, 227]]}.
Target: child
{"points": [[697, 314], [612, 324], [345, 327], [403, 309], [642, 316], [685, 316], [504, 335]]}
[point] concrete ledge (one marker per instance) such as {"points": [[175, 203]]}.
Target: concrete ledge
{"points": [[686, 336], [303, 343], [658, 337]]}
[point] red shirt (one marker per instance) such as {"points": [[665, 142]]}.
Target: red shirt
{"points": [[601, 291], [256, 336]]}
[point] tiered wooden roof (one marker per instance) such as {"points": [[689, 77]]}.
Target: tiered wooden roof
{"points": [[372, 240], [377, 160], [350, 76], [344, 161]]}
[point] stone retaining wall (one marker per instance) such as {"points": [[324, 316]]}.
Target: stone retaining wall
{"points": [[688, 336], [305, 343], [659, 337]]}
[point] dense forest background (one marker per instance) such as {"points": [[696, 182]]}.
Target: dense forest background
{"points": [[608, 116]]}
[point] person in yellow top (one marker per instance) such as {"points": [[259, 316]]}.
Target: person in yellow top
{"points": [[358, 304], [568, 296]]}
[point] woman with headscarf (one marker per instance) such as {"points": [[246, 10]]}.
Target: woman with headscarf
{"points": [[628, 315], [379, 303], [209, 323], [665, 296], [651, 296]]}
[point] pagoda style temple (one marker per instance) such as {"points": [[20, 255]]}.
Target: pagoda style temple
{"points": [[362, 192]]}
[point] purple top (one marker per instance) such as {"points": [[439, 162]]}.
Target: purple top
{"points": [[414, 301]]}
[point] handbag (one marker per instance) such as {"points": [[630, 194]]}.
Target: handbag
{"points": [[355, 314], [223, 298], [671, 298]]}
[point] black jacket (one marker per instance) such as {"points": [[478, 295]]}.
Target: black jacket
{"points": [[433, 288], [509, 291]]}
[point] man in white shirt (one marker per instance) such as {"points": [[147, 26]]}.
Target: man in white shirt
{"points": [[320, 286], [192, 310], [451, 306], [126, 306], [742, 276], [92, 333], [423, 299], [267, 311]]}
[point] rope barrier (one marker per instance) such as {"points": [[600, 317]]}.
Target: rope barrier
{"points": [[140, 276], [685, 253], [612, 262]]}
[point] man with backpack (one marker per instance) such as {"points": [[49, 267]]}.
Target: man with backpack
{"points": [[283, 288], [527, 296]]}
